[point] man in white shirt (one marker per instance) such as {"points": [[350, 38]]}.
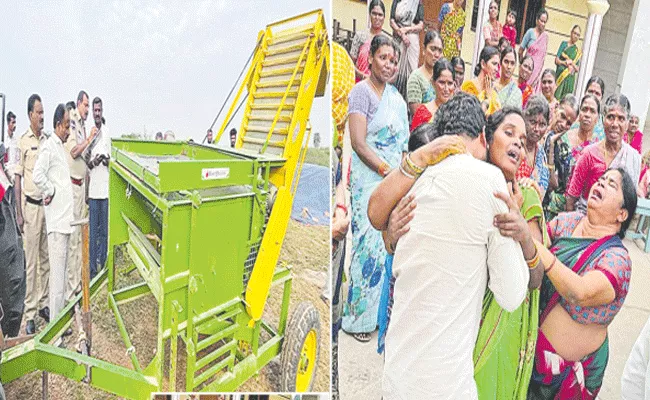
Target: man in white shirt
{"points": [[442, 265], [52, 177], [97, 162], [635, 382], [11, 145]]}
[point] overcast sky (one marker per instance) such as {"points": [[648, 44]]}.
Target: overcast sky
{"points": [[156, 65]]}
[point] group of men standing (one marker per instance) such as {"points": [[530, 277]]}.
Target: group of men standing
{"points": [[56, 179]]}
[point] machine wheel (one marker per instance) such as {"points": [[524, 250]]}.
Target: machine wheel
{"points": [[300, 349]]}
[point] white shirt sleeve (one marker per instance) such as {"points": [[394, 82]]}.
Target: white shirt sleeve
{"points": [[41, 167], [507, 268], [635, 382]]}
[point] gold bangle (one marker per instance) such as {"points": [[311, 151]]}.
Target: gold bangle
{"points": [[383, 169], [532, 264], [406, 173], [418, 170], [409, 169]]}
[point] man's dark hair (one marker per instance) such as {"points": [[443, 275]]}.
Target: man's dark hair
{"points": [[10, 116], [70, 105], [461, 115], [31, 101], [421, 135], [59, 113], [537, 105], [233, 132], [81, 95]]}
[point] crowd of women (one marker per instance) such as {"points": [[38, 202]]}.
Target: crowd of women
{"points": [[574, 169]]}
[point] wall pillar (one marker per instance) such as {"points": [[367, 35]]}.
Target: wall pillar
{"points": [[633, 75], [479, 42], [597, 9]]}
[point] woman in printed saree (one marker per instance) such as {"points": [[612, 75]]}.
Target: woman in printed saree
{"points": [[509, 93], [482, 85], [504, 351], [526, 67], [443, 81], [568, 64], [378, 125], [493, 30], [587, 277], [452, 22], [559, 155], [419, 88], [548, 89], [611, 152], [534, 43], [534, 164], [360, 49], [596, 87], [406, 19]]}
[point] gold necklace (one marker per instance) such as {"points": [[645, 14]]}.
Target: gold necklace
{"points": [[607, 153], [379, 92]]}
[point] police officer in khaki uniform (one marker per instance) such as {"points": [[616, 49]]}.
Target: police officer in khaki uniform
{"points": [[31, 220], [75, 146]]}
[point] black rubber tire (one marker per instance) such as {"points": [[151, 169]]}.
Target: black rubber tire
{"points": [[303, 319]]}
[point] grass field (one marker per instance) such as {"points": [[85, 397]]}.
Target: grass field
{"points": [[320, 156]]}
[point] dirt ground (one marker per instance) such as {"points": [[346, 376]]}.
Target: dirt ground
{"points": [[306, 250]]}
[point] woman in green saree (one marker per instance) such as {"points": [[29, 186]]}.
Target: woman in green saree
{"points": [[505, 347], [568, 62], [506, 86]]}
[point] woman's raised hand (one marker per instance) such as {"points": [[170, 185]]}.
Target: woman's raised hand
{"points": [[398, 222], [512, 224], [530, 183]]}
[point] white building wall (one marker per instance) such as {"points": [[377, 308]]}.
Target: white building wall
{"points": [[612, 43]]}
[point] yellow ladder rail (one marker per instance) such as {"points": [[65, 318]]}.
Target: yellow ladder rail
{"points": [[287, 91], [314, 66]]}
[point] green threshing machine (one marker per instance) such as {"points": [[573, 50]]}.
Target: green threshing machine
{"points": [[203, 226]]}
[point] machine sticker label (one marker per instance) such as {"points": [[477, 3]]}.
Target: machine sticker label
{"points": [[215, 173]]}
